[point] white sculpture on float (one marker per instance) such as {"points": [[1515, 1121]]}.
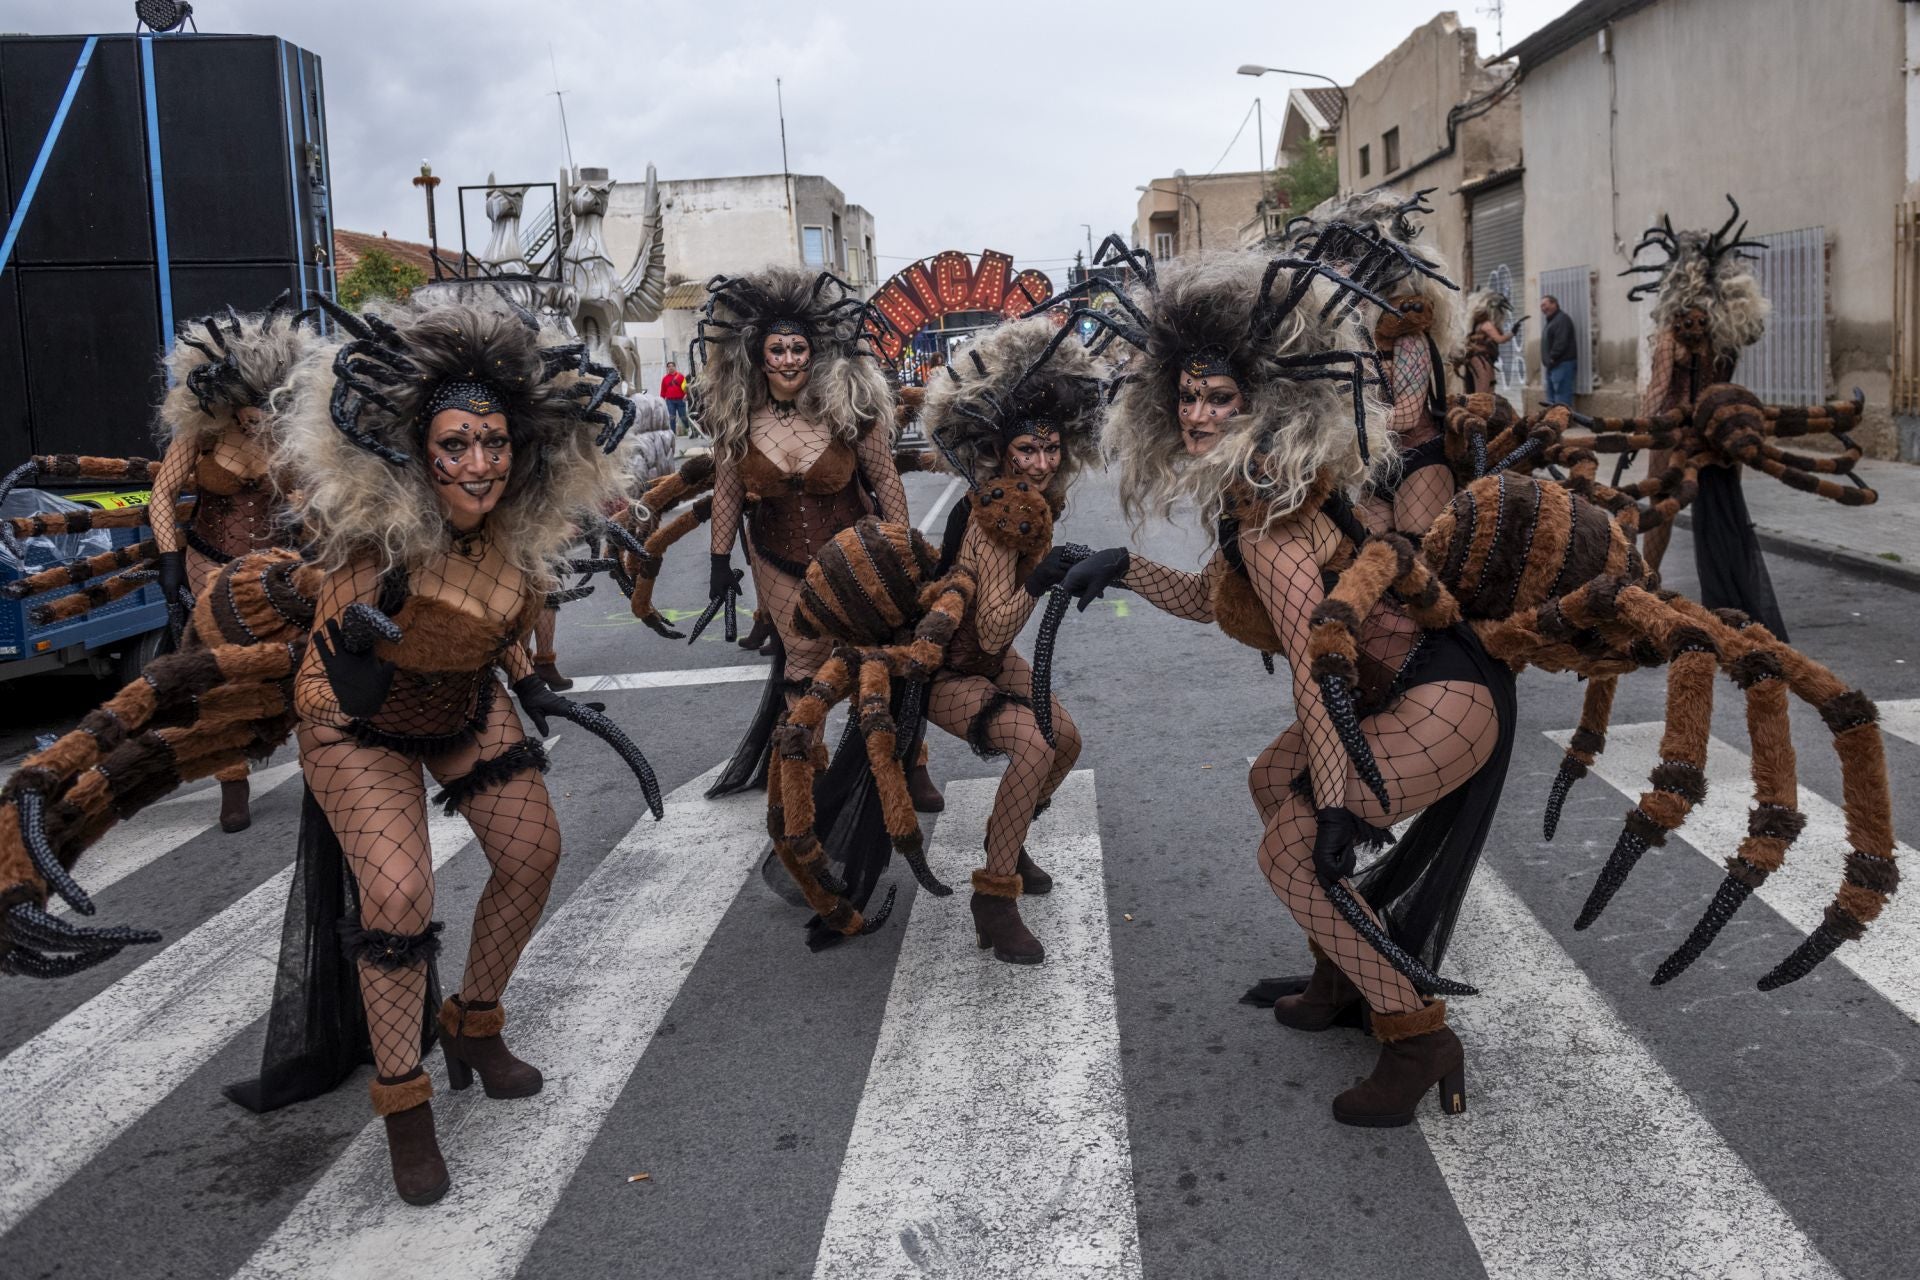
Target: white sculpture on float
{"points": [[504, 254], [598, 301]]}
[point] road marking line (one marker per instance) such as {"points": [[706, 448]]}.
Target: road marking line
{"points": [[590, 992], [583, 685], [1887, 959], [1579, 1155], [74, 1088], [1901, 718], [940, 505], [991, 1139]]}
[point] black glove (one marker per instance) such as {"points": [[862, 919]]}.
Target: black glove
{"points": [[360, 680], [1333, 844], [539, 701], [722, 577], [1047, 574], [1089, 579], [173, 590], [1515, 331]]}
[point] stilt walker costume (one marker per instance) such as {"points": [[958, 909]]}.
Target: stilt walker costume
{"points": [[1477, 362], [1402, 656], [440, 457]]}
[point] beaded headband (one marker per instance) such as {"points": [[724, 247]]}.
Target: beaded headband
{"points": [[472, 397], [1208, 362]]}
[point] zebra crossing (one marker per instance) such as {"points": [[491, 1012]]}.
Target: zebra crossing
{"points": [[992, 1135]]}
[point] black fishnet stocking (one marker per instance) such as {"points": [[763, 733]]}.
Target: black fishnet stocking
{"points": [[779, 594], [376, 803], [515, 825], [544, 625], [1034, 769]]}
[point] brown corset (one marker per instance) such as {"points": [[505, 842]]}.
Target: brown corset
{"points": [[794, 514], [233, 516], [444, 686]]}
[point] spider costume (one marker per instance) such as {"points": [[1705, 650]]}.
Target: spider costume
{"points": [[411, 598], [1516, 569], [1015, 418], [1477, 360]]}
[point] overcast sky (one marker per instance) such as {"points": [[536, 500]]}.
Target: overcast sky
{"points": [[958, 125]]}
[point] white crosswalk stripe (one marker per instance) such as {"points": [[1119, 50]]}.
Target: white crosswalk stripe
{"points": [[590, 991], [71, 1090], [992, 1137], [1901, 718], [1888, 958]]}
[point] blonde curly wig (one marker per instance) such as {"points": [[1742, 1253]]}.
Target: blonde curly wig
{"points": [[219, 365], [1296, 435], [357, 505], [1389, 216], [847, 389], [1705, 271]]}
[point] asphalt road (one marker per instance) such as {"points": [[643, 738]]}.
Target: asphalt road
{"points": [[903, 1105]]}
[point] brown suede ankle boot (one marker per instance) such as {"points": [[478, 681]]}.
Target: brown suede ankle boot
{"points": [[761, 633], [926, 796], [1328, 994], [997, 923], [419, 1172], [235, 815], [544, 668], [1034, 880], [1417, 1051], [472, 1042]]}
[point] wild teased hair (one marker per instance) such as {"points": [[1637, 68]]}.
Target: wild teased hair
{"points": [[1487, 304], [1295, 434], [1725, 289], [1065, 391], [260, 350], [1392, 216], [847, 391], [355, 505]]}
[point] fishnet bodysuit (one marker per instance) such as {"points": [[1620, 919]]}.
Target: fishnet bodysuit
{"points": [[982, 670], [794, 445], [235, 512], [1428, 740], [1419, 495], [366, 776]]}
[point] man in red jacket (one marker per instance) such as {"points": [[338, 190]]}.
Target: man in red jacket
{"points": [[673, 389]]}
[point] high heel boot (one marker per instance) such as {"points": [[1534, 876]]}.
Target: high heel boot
{"points": [[926, 796], [472, 1042], [404, 1102], [235, 815], [1328, 994], [1418, 1050], [1034, 879], [997, 923]]}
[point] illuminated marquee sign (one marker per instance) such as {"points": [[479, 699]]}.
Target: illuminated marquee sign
{"points": [[948, 283]]}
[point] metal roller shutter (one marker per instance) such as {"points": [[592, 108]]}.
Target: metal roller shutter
{"points": [[1499, 263]]}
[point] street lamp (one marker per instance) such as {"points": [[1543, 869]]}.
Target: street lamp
{"points": [[1252, 69], [1199, 221]]}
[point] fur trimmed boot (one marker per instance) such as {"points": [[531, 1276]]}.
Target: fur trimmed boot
{"points": [[997, 923], [405, 1103], [1418, 1050], [1034, 880], [472, 1042], [759, 636], [1328, 994], [543, 666], [926, 796], [235, 814]]}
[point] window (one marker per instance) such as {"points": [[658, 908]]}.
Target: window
{"points": [[813, 246], [853, 266], [1366, 162], [839, 244], [1163, 245], [1274, 222], [1390, 148]]}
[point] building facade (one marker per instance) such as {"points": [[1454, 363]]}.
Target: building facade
{"points": [[731, 225], [1637, 109], [1183, 214]]}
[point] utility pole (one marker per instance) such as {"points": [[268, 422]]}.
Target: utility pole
{"points": [[427, 182], [560, 96], [1260, 133], [1088, 228], [786, 174]]}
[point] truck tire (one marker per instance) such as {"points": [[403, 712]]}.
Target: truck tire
{"points": [[137, 652]]}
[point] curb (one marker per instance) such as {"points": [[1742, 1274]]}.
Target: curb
{"points": [[1904, 575]]}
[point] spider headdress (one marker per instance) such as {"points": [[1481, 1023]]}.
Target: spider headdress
{"points": [[1704, 271], [1373, 238], [847, 387], [1309, 390], [355, 438], [219, 365], [1024, 377]]}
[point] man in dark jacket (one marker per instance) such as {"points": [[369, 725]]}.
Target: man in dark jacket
{"points": [[1557, 351]]}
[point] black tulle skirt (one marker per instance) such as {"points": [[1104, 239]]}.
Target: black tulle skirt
{"points": [[1726, 551]]}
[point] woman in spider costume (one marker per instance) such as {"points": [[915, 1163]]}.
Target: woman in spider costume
{"points": [[801, 419], [440, 458], [1478, 360], [214, 423], [1515, 571]]}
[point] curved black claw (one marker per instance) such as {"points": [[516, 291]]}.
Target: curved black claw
{"points": [[1518, 456], [567, 595], [1338, 696], [1626, 852], [1820, 944], [1726, 900], [361, 625], [658, 625], [597, 724], [1477, 447], [1571, 771], [1424, 979], [1043, 643], [715, 606], [916, 860], [33, 933], [33, 830], [878, 919]]}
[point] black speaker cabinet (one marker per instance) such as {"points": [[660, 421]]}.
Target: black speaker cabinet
{"points": [[191, 173]]}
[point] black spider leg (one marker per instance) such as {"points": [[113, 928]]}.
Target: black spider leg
{"points": [[1570, 772], [275, 309], [1424, 979], [613, 735], [567, 595], [7, 484], [1306, 368], [520, 313], [30, 927], [727, 600], [1337, 694], [353, 389], [1042, 682], [567, 356], [1267, 314], [31, 807], [346, 319], [1113, 327], [628, 543], [1113, 251]]}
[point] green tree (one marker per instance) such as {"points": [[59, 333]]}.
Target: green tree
{"points": [[1312, 174], [379, 274]]}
